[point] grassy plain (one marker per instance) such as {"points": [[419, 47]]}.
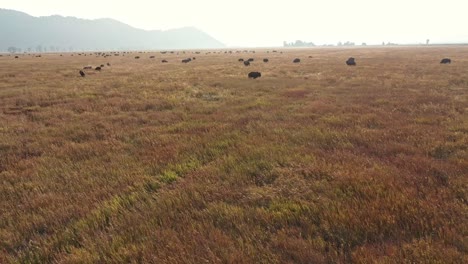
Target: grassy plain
{"points": [[315, 162]]}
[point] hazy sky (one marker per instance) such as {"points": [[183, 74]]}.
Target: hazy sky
{"points": [[268, 23]]}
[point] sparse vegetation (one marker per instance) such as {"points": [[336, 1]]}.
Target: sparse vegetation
{"points": [[314, 162]]}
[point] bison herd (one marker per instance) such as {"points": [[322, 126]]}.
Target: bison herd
{"points": [[247, 62]]}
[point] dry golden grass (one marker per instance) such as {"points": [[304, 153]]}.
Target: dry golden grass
{"points": [[315, 162]]}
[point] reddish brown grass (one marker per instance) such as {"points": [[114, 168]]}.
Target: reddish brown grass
{"points": [[314, 162]]}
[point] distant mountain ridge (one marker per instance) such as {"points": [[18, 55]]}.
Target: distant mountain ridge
{"points": [[58, 33]]}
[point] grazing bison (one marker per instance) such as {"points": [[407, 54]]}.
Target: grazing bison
{"points": [[241, 60], [265, 60], [82, 74], [351, 62], [251, 59], [164, 61], [247, 63], [87, 68], [102, 65], [108, 64], [137, 57], [255, 75], [98, 68], [187, 60], [296, 60], [151, 57], [446, 61]]}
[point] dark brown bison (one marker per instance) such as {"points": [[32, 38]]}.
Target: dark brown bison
{"points": [[265, 60], [445, 61], [255, 75], [241, 60], [98, 68], [137, 57], [82, 74], [108, 64], [164, 61], [187, 60], [87, 68], [296, 60], [151, 57], [247, 63], [351, 62], [251, 59]]}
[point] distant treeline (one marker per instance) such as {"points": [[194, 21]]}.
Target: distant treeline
{"points": [[298, 43]]}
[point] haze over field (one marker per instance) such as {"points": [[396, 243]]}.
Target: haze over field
{"points": [[267, 23]]}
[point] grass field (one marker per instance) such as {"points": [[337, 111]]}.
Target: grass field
{"points": [[315, 162]]}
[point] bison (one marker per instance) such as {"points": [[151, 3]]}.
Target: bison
{"points": [[265, 60], [241, 60], [250, 59], [187, 60], [98, 68], [87, 68], [296, 60], [246, 63], [164, 61], [446, 61], [82, 74], [255, 75], [351, 62]]}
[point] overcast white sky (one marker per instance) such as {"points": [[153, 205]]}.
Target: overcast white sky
{"points": [[268, 23]]}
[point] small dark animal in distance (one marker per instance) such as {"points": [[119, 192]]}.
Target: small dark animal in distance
{"points": [[82, 74], [194, 58], [108, 64], [186, 60], [251, 59], [265, 60], [247, 63], [241, 60], [87, 68], [164, 61], [296, 60], [255, 75], [151, 57], [16, 57], [102, 65], [137, 57], [98, 68], [351, 62], [445, 61]]}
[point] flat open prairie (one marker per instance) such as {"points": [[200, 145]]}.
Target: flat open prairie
{"points": [[314, 162]]}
